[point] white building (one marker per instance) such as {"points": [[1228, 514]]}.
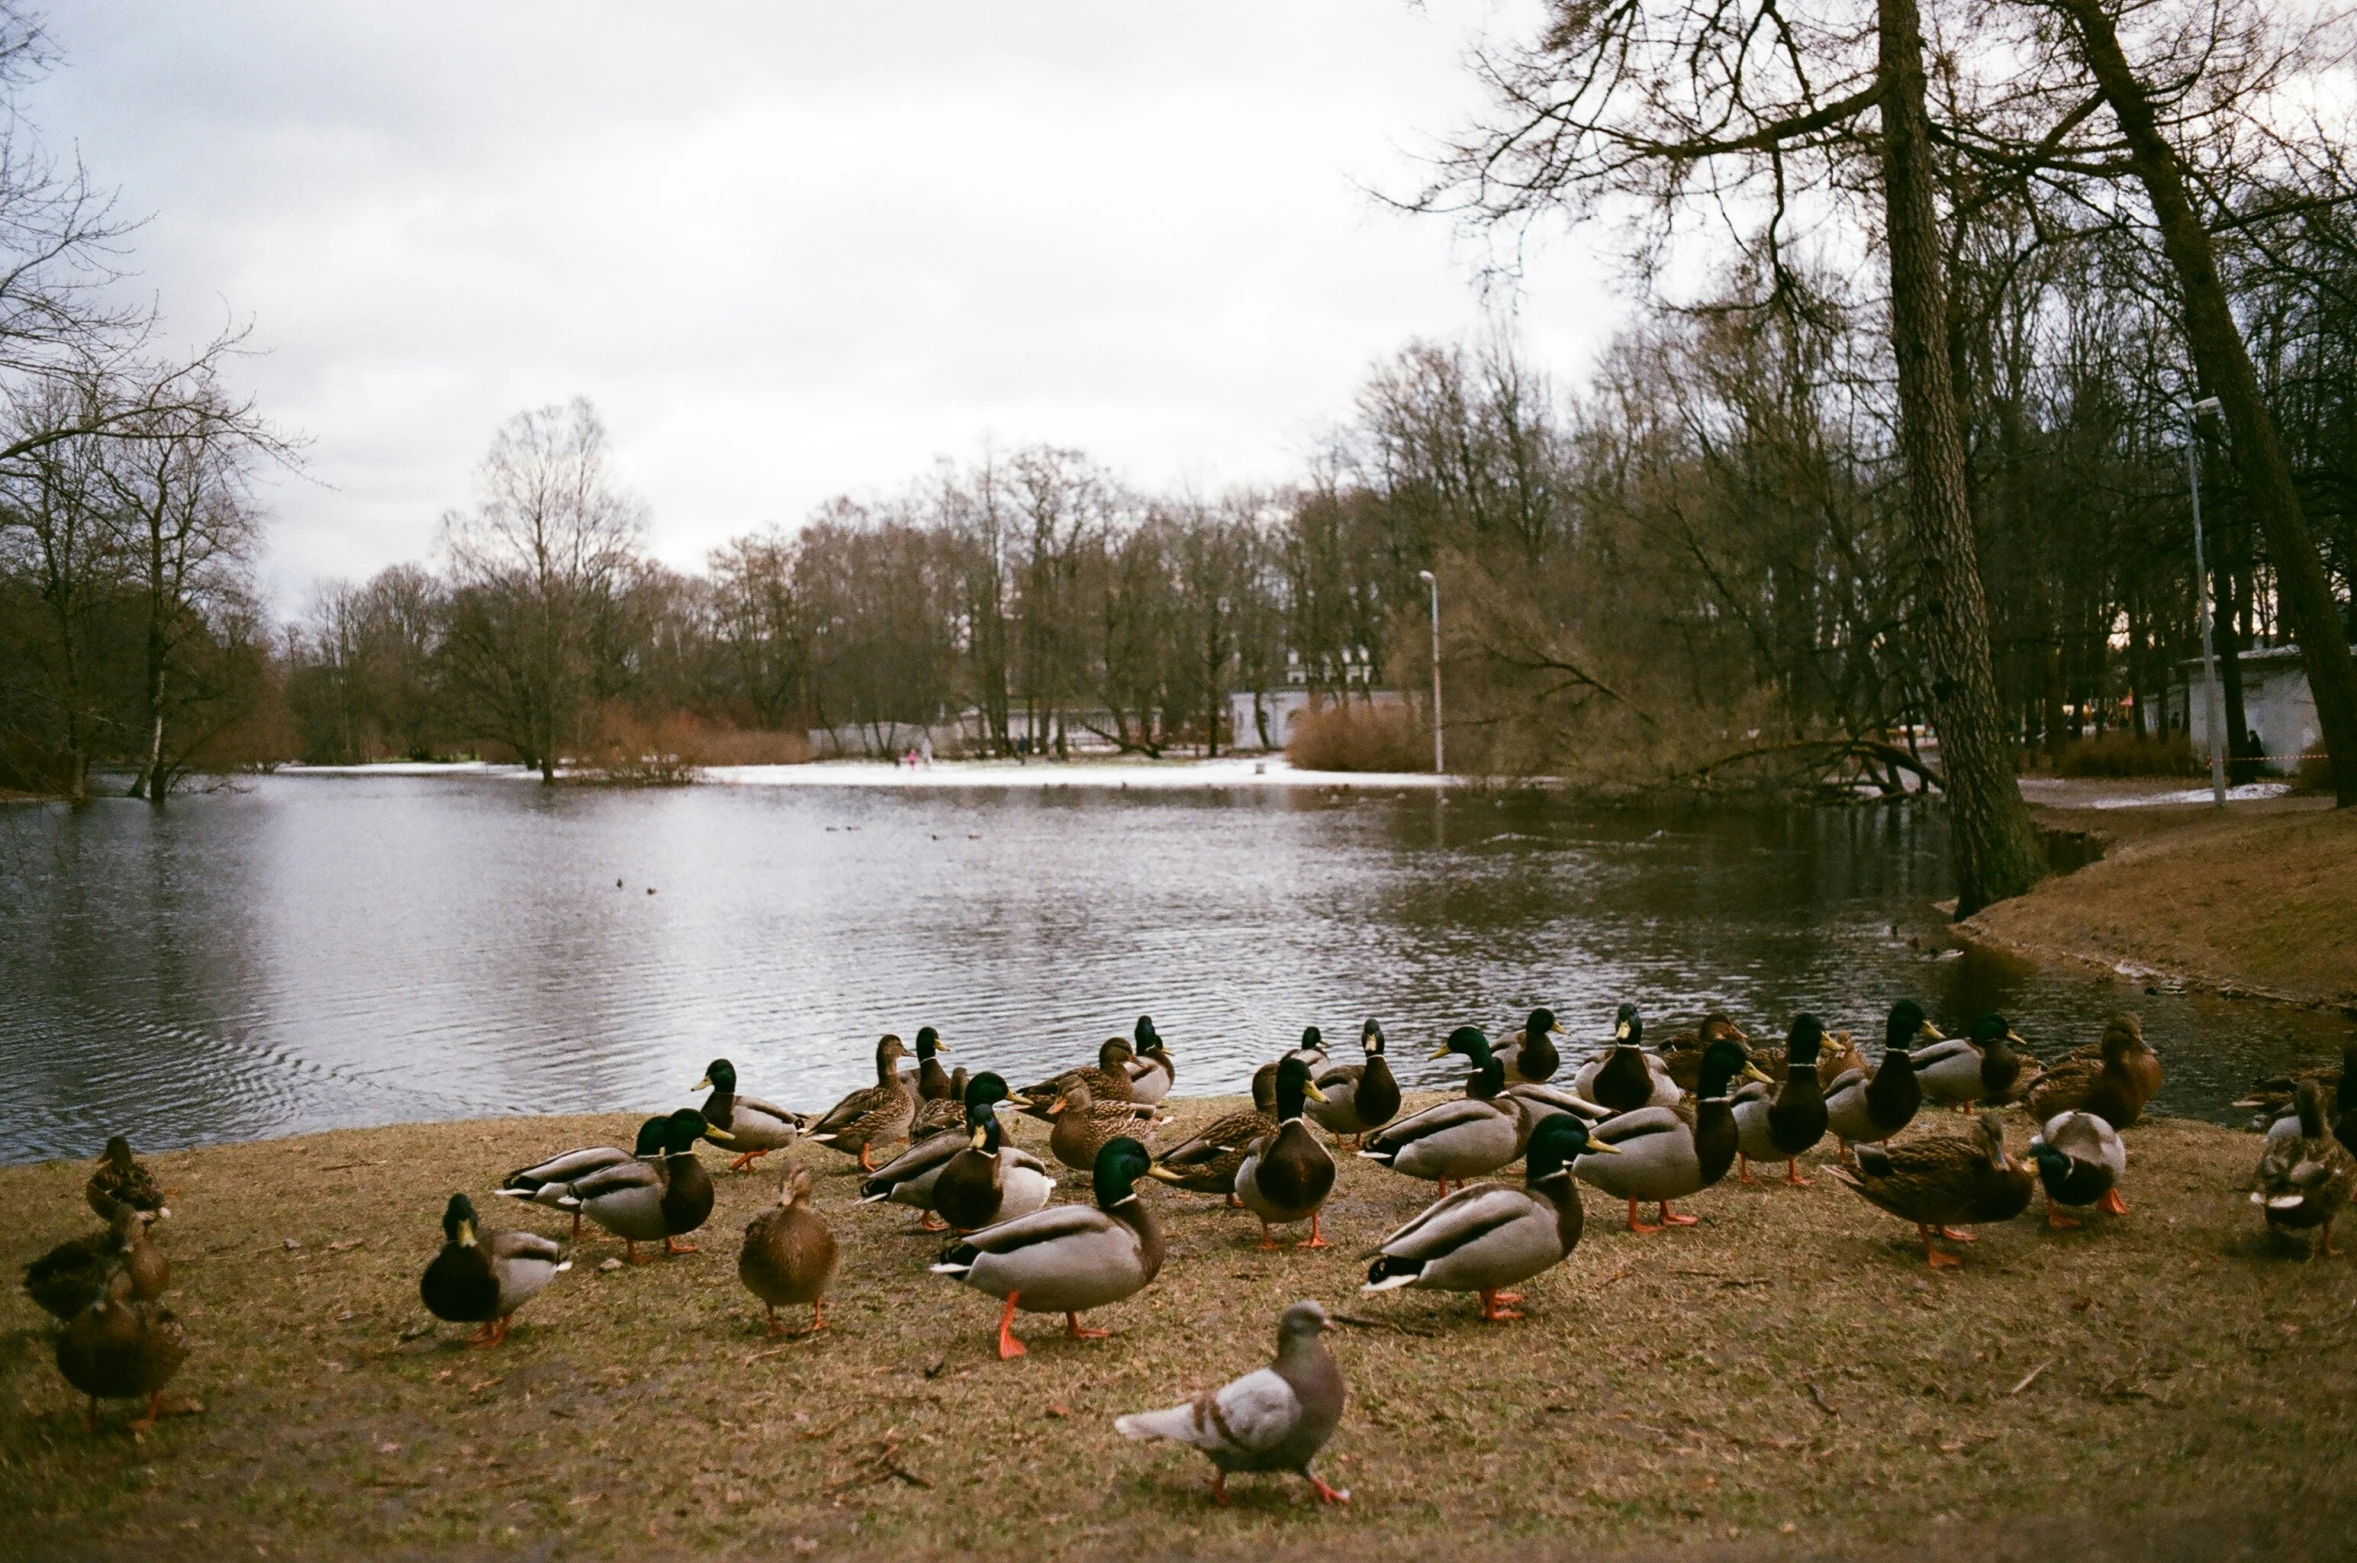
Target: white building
{"points": [[1281, 708], [2276, 705]]}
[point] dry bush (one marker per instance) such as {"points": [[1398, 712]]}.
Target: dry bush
{"points": [[1356, 737], [642, 751], [755, 746], [2122, 753], [2315, 772]]}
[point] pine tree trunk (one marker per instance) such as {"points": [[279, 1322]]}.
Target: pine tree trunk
{"points": [[1996, 847]]}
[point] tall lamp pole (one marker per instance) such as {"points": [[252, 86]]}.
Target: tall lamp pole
{"points": [[2213, 711], [1439, 765]]}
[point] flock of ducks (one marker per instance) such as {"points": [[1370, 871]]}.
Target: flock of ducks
{"points": [[1645, 1125]]}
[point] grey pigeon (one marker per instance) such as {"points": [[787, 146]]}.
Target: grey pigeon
{"points": [[1274, 1419]]}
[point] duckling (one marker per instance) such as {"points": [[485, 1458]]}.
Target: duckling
{"points": [[1286, 1176], [1859, 1106], [989, 1180], [1067, 1259], [931, 1081], [641, 1201], [1206, 1161], [1462, 1139], [74, 1274], [1961, 1072], [1354, 1098], [2114, 1082], [789, 1255], [754, 1126], [1783, 1120], [1083, 1125], [122, 1179], [484, 1280], [1529, 1054], [1682, 1054], [2303, 1181], [1276, 1419], [1624, 1077], [548, 1182], [873, 1116], [2080, 1162], [943, 1114], [1667, 1153], [1943, 1181], [1487, 1236], [1150, 1068], [1107, 1082], [117, 1349]]}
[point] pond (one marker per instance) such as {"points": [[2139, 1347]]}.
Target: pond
{"points": [[307, 952]]}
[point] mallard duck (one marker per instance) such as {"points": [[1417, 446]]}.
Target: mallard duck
{"points": [[1624, 1077], [1067, 1259], [1773, 1120], [931, 1080], [641, 1201], [754, 1127], [1666, 1153], [1150, 1068], [943, 1114], [1529, 1054], [1287, 1175], [1682, 1054], [1859, 1106], [1466, 1138], [2080, 1162], [789, 1255], [909, 1178], [1107, 1082], [2304, 1181], [2338, 1087], [549, 1181], [1312, 1050], [485, 1279], [1206, 1161], [117, 1349], [2143, 1062], [1083, 1125], [989, 1180], [875, 1115], [1963, 1072], [1354, 1098], [1488, 1236], [1941, 1182], [2113, 1082], [122, 1179], [1275, 1419], [74, 1274]]}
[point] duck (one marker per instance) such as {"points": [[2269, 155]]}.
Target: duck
{"points": [[1624, 1077], [1487, 1237], [1981, 1066], [484, 1279], [942, 1114], [930, 1081], [872, 1116], [122, 1179], [1083, 1125], [2339, 1085], [1067, 1259], [2080, 1162], [1529, 1054], [1108, 1081], [74, 1274], [1356, 1098], [989, 1181], [2143, 1062], [1861, 1106], [1312, 1050], [1682, 1054], [2112, 1081], [1150, 1068], [1942, 1182], [1462, 1139], [546, 1183], [1287, 1175], [1783, 1119], [909, 1178], [1667, 1153], [1206, 1161], [2304, 1180], [754, 1127], [118, 1349], [789, 1256], [641, 1201], [1276, 1418]]}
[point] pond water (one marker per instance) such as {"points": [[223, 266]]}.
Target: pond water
{"points": [[311, 952]]}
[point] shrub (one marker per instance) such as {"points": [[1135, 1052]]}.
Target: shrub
{"points": [[1357, 737], [668, 749], [2315, 772], [2122, 753], [755, 746]]}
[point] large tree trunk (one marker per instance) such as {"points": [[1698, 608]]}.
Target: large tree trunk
{"points": [[1997, 850], [2302, 588]]}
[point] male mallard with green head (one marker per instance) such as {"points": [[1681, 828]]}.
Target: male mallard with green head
{"points": [[646, 1201], [1357, 1098], [1624, 1077], [2080, 1162], [2304, 1180], [754, 1127], [875, 1115], [1962, 1072], [1670, 1153], [1943, 1182], [931, 1081], [484, 1278], [788, 1257], [1206, 1161], [1784, 1119], [122, 1179], [1859, 1106], [1286, 1176], [1151, 1070], [1529, 1055], [988, 1180], [117, 1349], [1276, 1419], [1456, 1140]]}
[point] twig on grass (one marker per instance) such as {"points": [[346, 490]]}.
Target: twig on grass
{"points": [[2029, 1378]]}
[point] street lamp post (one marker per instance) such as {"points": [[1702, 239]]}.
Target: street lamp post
{"points": [[2213, 711], [1439, 765]]}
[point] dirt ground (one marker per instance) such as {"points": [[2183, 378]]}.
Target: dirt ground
{"points": [[1786, 1379], [2260, 898]]}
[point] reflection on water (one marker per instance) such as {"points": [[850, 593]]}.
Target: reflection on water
{"points": [[314, 952]]}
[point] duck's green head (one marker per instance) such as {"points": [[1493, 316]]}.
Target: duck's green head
{"points": [[983, 1094], [651, 1137], [458, 1221], [1560, 1139], [1467, 1040], [1542, 1022], [1722, 1061], [1802, 1041], [1119, 1166], [719, 1075], [1908, 1022], [929, 1043], [1294, 1088], [1145, 1035], [1312, 1041], [1993, 1030], [2053, 1165], [1371, 1036], [687, 1126], [987, 1088], [1628, 1027]]}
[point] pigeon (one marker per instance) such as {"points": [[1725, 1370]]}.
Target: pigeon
{"points": [[1274, 1419]]}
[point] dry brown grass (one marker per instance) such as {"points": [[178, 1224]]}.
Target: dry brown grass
{"points": [[1353, 736], [2171, 1385]]}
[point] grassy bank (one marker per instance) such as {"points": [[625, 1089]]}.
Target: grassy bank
{"points": [[2260, 898], [1786, 1379]]}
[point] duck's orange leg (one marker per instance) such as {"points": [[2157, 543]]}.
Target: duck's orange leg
{"points": [[1073, 1329], [1327, 1494], [1636, 1225], [1670, 1218], [672, 1245], [1792, 1174], [1959, 1235], [1008, 1346], [1743, 1169], [2112, 1204], [1933, 1257], [1268, 1239], [1313, 1240], [865, 1165], [1494, 1309], [1219, 1488], [2056, 1219]]}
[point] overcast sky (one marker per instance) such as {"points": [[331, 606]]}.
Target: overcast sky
{"points": [[790, 251]]}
